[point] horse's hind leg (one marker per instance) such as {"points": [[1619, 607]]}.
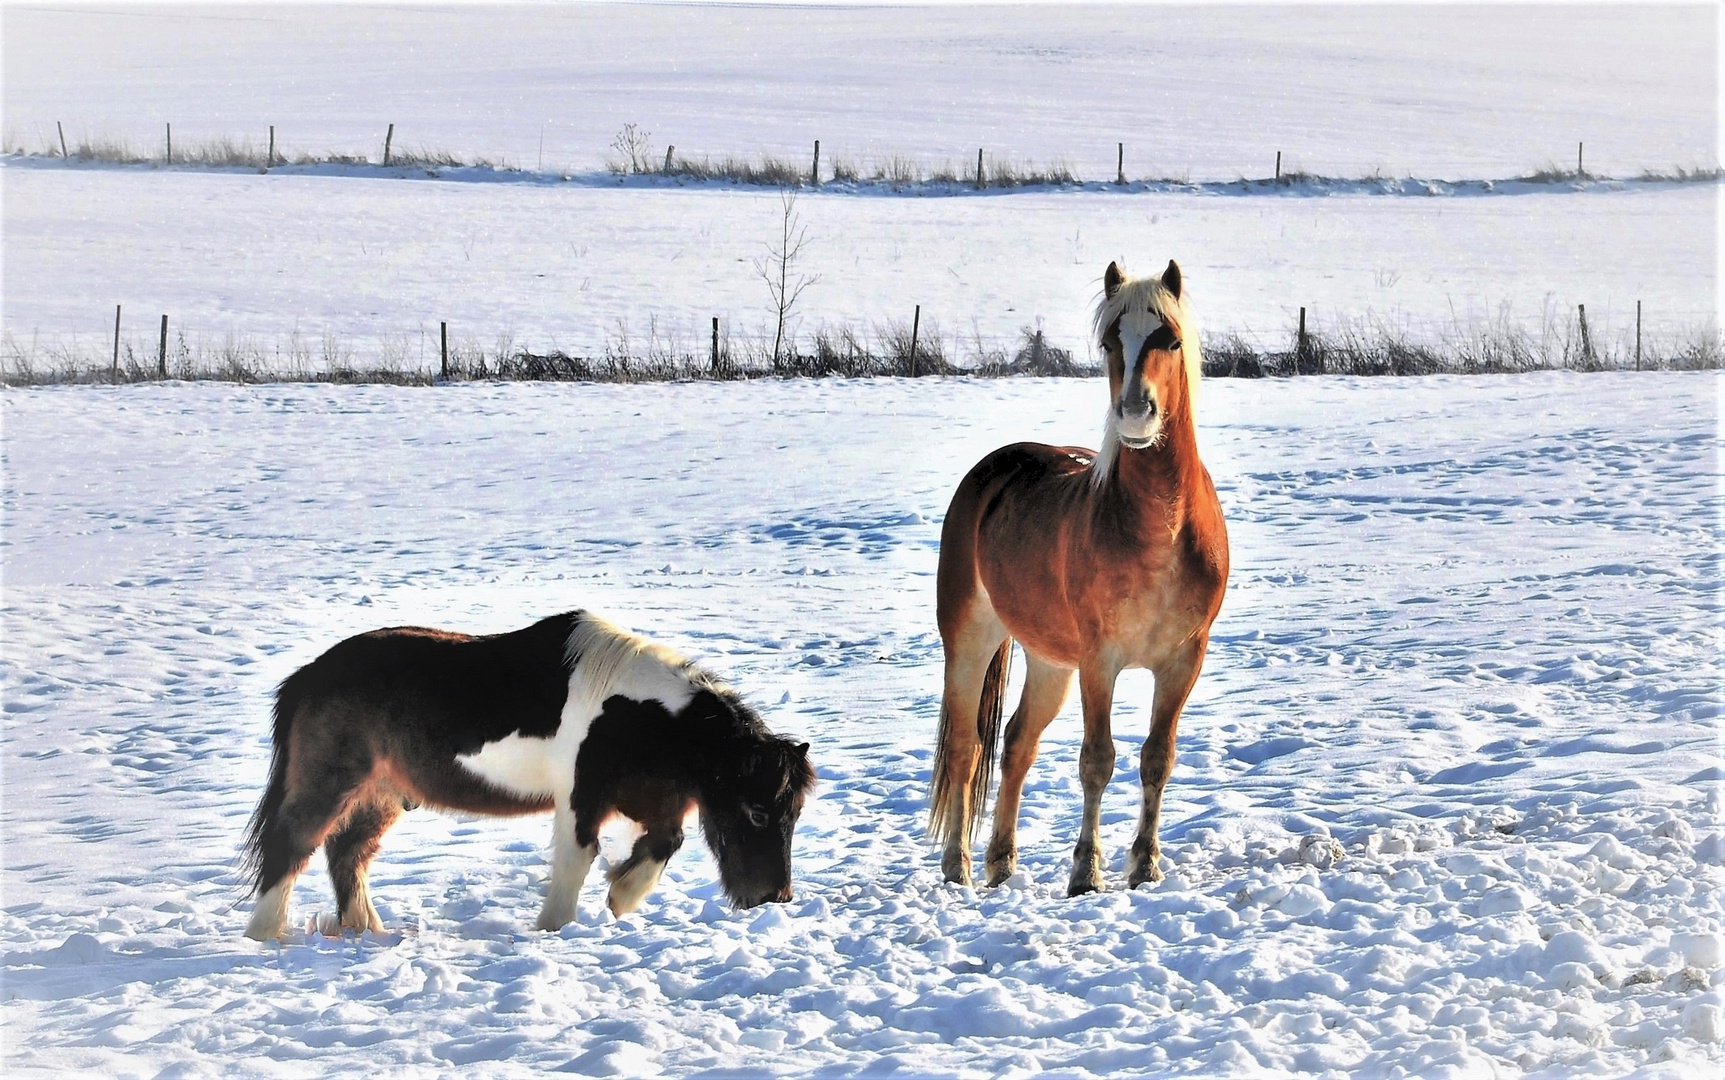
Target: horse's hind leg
{"points": [[1095, 768], [1045, 690], [634, 877], [1173, 684], [970, 657], [321, 784], [350, 850]]}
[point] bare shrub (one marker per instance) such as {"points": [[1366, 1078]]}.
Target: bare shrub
{"points": [[635, 149], [779, 268]]}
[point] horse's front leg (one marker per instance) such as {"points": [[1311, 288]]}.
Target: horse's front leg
{"points": [[570, 861], [1095, 768], [634, 877], [1174, 682], [1045, 690]]}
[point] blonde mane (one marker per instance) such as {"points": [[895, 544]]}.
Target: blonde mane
{"points": [[1140, 294], [605, 654]]}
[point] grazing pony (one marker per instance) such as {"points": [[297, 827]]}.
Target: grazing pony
{"points": [[1094, 562], [571, 715]]}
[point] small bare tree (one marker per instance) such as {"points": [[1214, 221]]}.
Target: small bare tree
{"points": [[637, 149], [778, 268]]}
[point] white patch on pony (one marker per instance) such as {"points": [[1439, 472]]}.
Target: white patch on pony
{"points": [[269, 915], [360, 915], [1142, 305], [603, 661], [569, 866]]}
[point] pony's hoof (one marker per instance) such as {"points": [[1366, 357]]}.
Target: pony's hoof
{"points": [[956, 872], [1086, 880], [552, 922], [999, 869], [1144, 875]]}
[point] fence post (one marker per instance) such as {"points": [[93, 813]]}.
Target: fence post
{"points": [[162, 350], [715, 346], [271, 158], [1586, 341], [1637, 335], [1300, 346], [116, 368], [170, 158], [815, 171], [388, 138], [915, 326], [980, 182], [63, 155], [1120, 167], [669, 150], [1578, 170], [443, 350]]}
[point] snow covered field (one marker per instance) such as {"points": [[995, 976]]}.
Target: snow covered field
{"points": [[1207, 92], [376, 264], [1472, 637]]}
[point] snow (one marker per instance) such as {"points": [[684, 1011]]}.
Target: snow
{"points": [[1448, 800], [374, 265], [1202, 93]]}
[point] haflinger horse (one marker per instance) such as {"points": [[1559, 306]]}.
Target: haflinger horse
{"points": [[1094, 563], [571, 715]]}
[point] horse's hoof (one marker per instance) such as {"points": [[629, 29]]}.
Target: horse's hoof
{"points": [[1146, 872], [1001, 867], [955, 872], [552, 922], [1079, 886]]}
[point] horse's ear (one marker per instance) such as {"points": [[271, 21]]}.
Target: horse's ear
{"points": [[802, 749], [1171, 279], [1112, 279]]}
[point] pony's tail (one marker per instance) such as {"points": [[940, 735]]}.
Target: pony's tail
{"points": [[944, 820], [288, 697]]}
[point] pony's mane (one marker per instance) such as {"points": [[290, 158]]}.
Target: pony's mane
{"points": [[1136, 294], [606, 652]]}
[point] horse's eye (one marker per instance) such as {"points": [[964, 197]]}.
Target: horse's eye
{"points": [[757, 816], [1173, 345]]}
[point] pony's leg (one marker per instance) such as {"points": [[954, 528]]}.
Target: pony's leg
{"points": [[634, 877], [1173, 683], [570, 862], [1045, 690], [305, 817], [349, 851], [967, 662], [1095, 768]]}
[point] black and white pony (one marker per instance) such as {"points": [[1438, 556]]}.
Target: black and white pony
{"points": [[571, 714]]}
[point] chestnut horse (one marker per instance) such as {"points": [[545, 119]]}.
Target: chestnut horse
{"points": [[1094, 563]]}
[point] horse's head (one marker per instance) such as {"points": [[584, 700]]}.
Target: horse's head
{"points": [[749, 809], [1151, 351]]}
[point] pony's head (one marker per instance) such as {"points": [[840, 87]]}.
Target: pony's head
{"points": [[750, 802], [1150, 344]]}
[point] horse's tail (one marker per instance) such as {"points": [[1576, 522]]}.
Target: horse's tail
{"points": [[944, 820], [288, 698]]}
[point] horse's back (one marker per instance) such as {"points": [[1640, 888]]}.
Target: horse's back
{"points": [[451, 689], [1019, 490]]}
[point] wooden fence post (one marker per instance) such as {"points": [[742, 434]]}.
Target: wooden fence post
{"points": [[980, 181], [1586, 340], [63, 155], [116, 367], [443, 349], [1300, 364], [1578, 170], [715, 346], [271, 158], [162, 350], [1278, 164], [669, 150], [388, 138], [1120, 166], [815, 170], [915, 326], [170, 158], [1637, 335]]}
